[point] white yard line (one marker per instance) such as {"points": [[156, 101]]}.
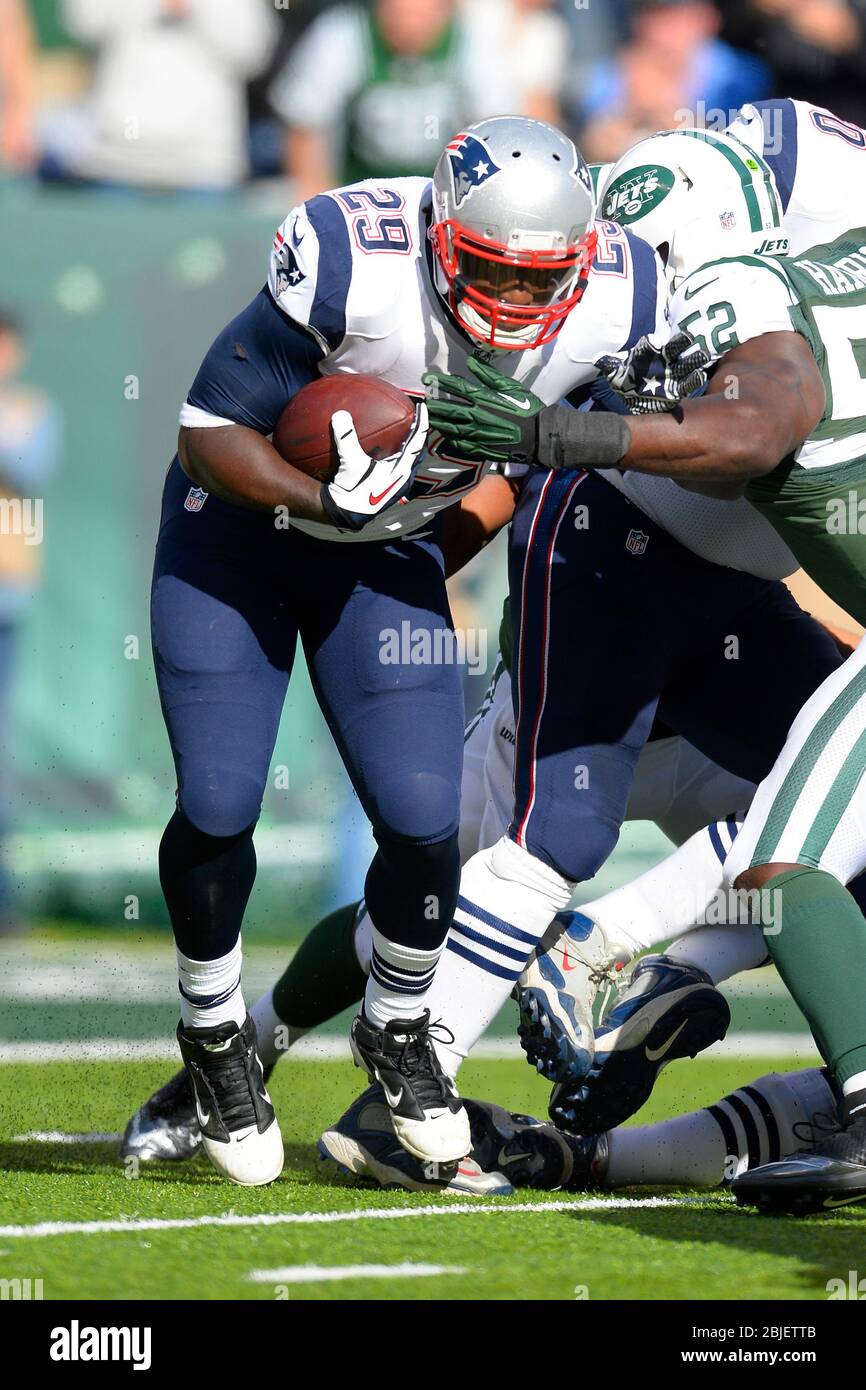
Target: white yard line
{"points": [[60, 1136], [325, 1048], [330, 1218], [329, 1274]]}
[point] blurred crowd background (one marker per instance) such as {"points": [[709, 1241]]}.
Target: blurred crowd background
{"points": [[147, 150], [207, 94]]}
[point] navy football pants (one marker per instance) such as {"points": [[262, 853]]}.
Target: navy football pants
{"points": [[231, 595], [614, 620]]}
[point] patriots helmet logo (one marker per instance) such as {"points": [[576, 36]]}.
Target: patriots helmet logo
{"points": [[289, 273], [581, 172], [472, 164]]}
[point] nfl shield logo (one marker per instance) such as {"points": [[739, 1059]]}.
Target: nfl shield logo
{"points": [[195, 499], [637, 542], [728, 221]]}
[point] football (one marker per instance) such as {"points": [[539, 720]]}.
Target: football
{"points": [[382, 414]]}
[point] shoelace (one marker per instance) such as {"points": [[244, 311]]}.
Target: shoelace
{"points": [[419, 1063], [821, 1123], [230, 1084], [617, 982]]}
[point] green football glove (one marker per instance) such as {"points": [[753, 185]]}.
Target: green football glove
{"points": [[495, 420]]}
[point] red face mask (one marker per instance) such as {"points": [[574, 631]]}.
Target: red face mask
{"points": [[480, 274]]}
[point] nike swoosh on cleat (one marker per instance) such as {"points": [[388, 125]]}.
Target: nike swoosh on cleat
{"points": [[393, 1101], [654, 1053], [566, 964], [504, 1159], [202, 1117]]}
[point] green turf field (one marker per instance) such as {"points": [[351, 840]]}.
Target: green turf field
{"points": [[295, 1239]]}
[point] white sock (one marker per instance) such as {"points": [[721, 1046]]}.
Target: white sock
{"points": [[707, 1147], [399, 979], [507, 901], [721, 951], [210, 990], [670, 897], [274, 1036]]}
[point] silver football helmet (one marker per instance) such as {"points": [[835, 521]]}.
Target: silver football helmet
{"points": [[512, 230]]}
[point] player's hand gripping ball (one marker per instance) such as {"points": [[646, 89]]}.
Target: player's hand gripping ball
{"points": [[362, 438]]}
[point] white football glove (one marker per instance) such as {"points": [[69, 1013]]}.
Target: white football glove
{"points": [[652, 378], [364, 486]]}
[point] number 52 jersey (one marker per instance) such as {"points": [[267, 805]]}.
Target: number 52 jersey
{"points": [[815, 498]]}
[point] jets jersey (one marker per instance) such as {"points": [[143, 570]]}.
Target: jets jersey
{"points": [[818, 162], [353, 268], [822, 296]]}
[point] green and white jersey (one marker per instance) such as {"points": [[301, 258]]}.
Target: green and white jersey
{"points": [[821, 295], [814, 498]]}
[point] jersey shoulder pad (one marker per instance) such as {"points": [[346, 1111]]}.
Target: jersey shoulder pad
{"points": [[333, 263], [728, 302], [625, 297]]}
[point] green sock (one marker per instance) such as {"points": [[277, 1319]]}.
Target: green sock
{"points": [[820, 953], [323, 977]]}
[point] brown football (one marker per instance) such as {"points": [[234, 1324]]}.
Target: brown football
{"points": [[382, 415]]}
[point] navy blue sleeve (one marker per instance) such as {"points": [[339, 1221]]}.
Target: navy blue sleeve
{"points": [[254, 367], [646, 290], [780, 143], [328, 314]]}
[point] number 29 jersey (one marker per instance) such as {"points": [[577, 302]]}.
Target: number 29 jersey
{"points": [[354, 268]]}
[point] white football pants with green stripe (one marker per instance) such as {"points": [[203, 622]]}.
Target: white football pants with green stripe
{"points": [[811, 809]]}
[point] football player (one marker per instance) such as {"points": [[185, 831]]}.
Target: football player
{"points": [[783, 423], [674, 784], [600, 616], [667, 189], [498, 254]]}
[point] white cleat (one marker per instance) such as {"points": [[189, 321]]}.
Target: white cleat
{"points": [[428, 1116], [557, 992], [239, 1130], [363, 1143]]}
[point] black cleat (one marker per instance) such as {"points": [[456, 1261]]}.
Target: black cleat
{"points": [[239, 1129], [668, 1011], [829, 1174], [166, 1125], [428, 1115], [532, 1154]]}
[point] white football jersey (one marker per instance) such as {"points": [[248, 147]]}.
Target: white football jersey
{"points": [[819, 164], [354, 268]]}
